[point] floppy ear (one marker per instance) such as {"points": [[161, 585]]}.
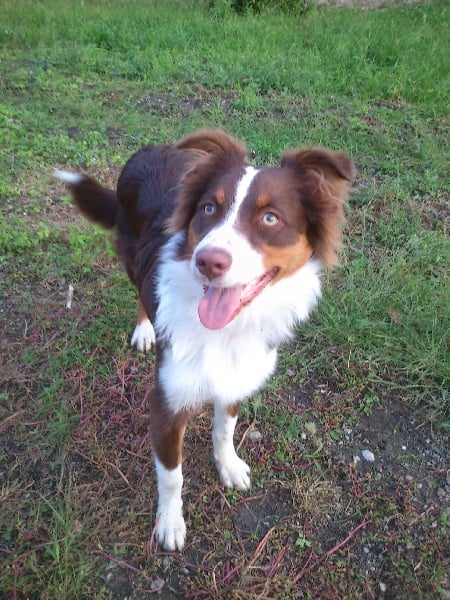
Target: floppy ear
{"points": [[212, 141], [323, 179], [211, 152]]}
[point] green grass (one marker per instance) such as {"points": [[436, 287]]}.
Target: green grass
{"points": [[389, 322], [83, 86]]}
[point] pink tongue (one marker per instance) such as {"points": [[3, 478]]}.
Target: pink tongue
{"points": [[218, 306]]}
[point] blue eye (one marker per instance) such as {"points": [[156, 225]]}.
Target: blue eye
{"points": [[270, 219], [209, 209]]}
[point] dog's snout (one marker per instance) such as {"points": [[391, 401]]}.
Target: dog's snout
{"points": [[213, 262]]}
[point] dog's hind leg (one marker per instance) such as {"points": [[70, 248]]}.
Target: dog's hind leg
{"points": [[233, 471], [167, 439], [144, 334]]}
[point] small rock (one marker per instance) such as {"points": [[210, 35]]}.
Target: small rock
{"points": [[254, 435], [157, 584], [409, 478], [368, 455], [383, 587]]}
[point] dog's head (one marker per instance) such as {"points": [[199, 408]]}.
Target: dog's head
{"points": [[249, 227]]}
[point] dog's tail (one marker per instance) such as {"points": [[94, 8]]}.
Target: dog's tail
{"points": [[95, 202]]}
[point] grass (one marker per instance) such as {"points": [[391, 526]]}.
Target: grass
{"points": [[84, 85]]}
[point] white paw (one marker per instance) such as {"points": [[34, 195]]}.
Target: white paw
{"points": [[170, 530], [234, 473], [143, 336]]}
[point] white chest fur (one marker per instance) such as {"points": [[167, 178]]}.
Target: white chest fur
{"points": [[225, 366]]}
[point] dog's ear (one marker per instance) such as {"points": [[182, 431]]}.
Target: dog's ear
{"points": [[210, 153], [323, 179], [209, 142]]}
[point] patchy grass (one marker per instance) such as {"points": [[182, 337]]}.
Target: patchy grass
{"points": [[82, 87]]}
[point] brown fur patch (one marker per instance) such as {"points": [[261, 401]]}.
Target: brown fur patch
{"points": [[212, 141], [213, 153], [167, 431], [233, 410], [323, 179], [288, 259], [142, 313], [192, 242]]}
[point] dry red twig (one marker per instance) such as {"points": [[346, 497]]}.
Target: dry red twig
{"points": [[336, 548], [122, 563]]}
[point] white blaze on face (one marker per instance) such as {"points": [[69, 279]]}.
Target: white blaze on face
{"points": [[227, 237], [226, 295]]}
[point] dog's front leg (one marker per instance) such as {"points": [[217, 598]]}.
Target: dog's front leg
{"points": [[167, 439], [233, 471], [144, 334]]}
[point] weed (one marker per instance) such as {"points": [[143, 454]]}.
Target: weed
{"points": [[368, 402], [301, 542]]}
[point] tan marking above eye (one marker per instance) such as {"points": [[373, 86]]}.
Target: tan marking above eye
{"points": [[220, 196], [263, 201]]}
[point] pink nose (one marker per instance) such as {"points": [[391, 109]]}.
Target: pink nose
{"points": [[213, 262]]}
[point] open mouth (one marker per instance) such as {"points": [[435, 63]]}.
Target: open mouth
{"points": [[219, 306]]}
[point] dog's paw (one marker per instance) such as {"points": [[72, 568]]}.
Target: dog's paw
{"points": [[170, 530], [234, 473], [143, 336]]}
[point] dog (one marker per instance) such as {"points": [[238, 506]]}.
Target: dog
{"points": [[226, 257]]}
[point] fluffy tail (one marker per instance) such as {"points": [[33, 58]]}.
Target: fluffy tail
{"points": [[95, 202]]}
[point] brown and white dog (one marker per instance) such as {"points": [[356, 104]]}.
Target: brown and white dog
{"points": [[226, 257]]}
